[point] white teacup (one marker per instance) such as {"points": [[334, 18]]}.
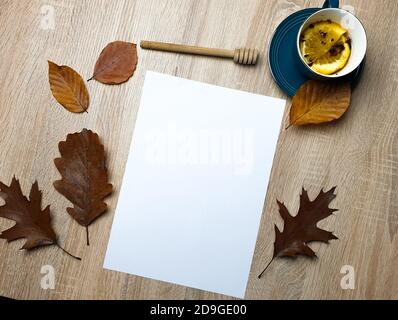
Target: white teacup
{"points": [[356, 32]]}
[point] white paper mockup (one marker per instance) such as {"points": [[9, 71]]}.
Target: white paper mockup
{"points": [[193, 191]]}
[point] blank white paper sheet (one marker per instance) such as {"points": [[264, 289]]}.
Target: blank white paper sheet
{"points": [[193, 191]]}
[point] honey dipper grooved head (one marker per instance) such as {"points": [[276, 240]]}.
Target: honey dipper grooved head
{"points": [[246, 56]]}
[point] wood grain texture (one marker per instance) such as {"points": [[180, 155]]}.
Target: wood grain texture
{"points": [[358, 153]]}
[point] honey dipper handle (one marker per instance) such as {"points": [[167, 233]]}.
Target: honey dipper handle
{"points": [[178, 48]]}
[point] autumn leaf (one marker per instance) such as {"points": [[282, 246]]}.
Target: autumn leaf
{"points": [[84, 176], [302, 229], [116, 63], [68, 88], [32, 223], [319, 102]]}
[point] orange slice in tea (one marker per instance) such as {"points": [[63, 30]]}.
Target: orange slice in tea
{"points": [[335, 59], [325, 47]]}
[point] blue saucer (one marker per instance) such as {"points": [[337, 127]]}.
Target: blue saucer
{"points": [[283, 60]]}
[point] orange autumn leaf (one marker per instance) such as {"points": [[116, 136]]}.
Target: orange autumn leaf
{"points": [[116, 63], [68, 88], [319, 102]]}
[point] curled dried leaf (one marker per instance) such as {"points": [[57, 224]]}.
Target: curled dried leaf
{"points": [[319, 102]]}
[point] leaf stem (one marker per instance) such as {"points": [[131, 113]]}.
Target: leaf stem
{"points": [[90, 79], [69, 254], [261, 274], [87, 236], [289, 126]]}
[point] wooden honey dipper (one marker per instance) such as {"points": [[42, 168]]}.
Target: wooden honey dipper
{"points": [[243, 56]]}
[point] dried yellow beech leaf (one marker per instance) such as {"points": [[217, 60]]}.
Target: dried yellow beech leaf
{"points": [[68, 88], [319, 102]]}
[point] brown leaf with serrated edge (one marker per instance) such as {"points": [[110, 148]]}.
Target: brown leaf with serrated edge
{"points": [[68, 88], [84, 176], [302, 229], [31, 222], [116, 63], [319, 102]]}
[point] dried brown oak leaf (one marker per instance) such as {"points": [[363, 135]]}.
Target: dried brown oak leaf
{"points": [[84, 176], [319, 102], [116, 63], [68, 88], [302, 229], [31, 222]]}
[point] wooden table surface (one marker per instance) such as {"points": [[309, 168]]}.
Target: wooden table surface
{"points": [[358, 154]]}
